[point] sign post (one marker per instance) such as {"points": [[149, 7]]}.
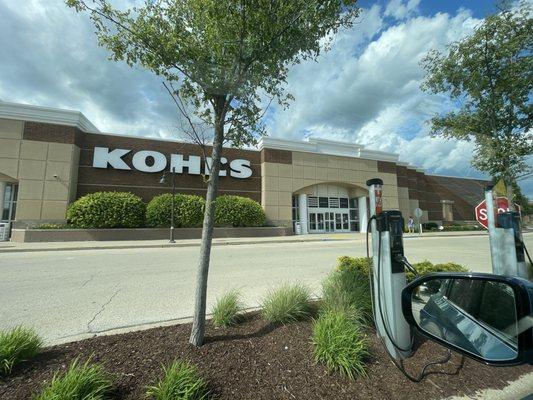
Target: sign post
{"points": [[418, 214], [503, 249]]}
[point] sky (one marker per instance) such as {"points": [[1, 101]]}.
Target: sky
{"points": [[365, 90]]}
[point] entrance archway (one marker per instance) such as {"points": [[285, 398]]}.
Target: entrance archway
{"points": [[330, 207]]}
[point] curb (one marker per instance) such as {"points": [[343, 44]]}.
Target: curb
{"points": [[162, 246]]}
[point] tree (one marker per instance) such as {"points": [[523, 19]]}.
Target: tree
{"points": [[225, 59], [489, 76]]}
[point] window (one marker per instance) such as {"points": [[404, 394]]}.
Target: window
{"points": [[333, 202], [313, 202], [10, 203], [492, 303], [323, 202], [295, 211], [343, 202], [353, 215], [353, 203]]}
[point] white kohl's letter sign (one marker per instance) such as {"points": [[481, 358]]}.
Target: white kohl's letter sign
{"points": [[154, 161]]}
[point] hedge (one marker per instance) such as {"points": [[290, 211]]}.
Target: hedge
{"points": [[238, 211], [188, 211], [107, 210], [363, 265]]}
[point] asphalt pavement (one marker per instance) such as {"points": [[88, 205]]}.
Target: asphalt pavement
{"points": [[68, 295]]}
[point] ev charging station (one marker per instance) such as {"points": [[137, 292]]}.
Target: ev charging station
{"points": [[388, 274], [505, 236]]}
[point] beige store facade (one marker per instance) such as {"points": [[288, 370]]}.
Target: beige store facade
{"points": [[47, 160]]}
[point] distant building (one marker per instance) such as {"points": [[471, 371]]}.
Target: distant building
{"points": [[50, 157]]}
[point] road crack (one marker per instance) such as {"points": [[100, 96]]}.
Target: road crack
{"points": [[102, 309]]}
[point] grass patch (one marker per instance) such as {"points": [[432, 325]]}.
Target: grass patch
{"points": [[347, 291], [288, 303], [81, 382], [227, 308], [340, 344], [181, 382], [17, 345]]}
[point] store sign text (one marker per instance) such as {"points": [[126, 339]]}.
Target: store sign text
{"points": [[154, 161]]}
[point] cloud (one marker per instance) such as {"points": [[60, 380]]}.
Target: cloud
{"points": [[51, 58], [400, 10], [365, 90], [369, 89]]}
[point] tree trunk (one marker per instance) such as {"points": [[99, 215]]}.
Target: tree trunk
{"points": [[198, 325], [510, 196]]}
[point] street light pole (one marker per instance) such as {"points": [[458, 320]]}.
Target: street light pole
{"points": [[172, 211], [164, 180]]}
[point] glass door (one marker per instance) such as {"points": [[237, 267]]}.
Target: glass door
{"points": [[312, 222], [320, 222], [345, 222], [338, 222], [330, 224]]}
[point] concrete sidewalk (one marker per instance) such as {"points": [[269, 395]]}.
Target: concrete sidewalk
{"points": [[9, 247]]}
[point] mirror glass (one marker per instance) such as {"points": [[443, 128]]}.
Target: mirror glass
{"points": [[478, 316]]}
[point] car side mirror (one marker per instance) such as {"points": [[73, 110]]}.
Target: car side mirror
{"points": [[486, 317]]}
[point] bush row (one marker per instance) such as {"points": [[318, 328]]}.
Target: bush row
{"points": [[363, 265], [433, 226], [125, 210]]}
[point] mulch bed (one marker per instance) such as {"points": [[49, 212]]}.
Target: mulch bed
{"points": [[255, 360]]}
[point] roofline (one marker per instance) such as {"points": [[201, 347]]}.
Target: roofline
{"points": [[28, 112]]}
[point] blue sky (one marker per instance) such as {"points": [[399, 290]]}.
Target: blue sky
{"points": [[365, 90]]}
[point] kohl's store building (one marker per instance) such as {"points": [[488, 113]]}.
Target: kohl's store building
{"points": [[50, 157]]}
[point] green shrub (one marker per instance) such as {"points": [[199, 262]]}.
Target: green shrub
{"points": [[430, 226], [347, 291], [340, 344], [361, 264], [81, 382], [107, 210], [188, 210], [227, 309], [17, 345], [290, 302], [426, 267], [51, 226], [238, 211], [460, 228], [181, 382]]}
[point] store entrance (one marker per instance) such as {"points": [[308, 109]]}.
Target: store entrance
{"points": [[321, 222]]}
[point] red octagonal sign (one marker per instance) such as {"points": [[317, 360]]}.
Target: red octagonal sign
{"points": [[481, 210]]}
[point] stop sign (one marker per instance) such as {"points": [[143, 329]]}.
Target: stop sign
{"points": [[501, 204]]}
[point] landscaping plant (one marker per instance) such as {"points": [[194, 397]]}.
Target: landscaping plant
{"points": [[238, 211], [107, 210], [17, 345], [361, 264], [288, 303], [81, 382], [227, 309], [340, 343], [188, 210], [426, 267], [347, 291], [181, 381]]}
